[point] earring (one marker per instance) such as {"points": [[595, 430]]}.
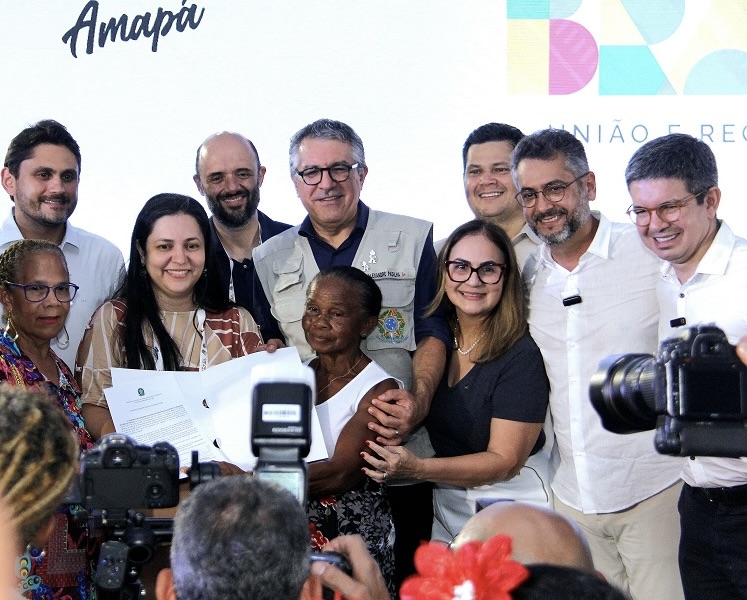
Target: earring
{"points": [[8, 326], [64, 341], [142, 272], [204, 273]]}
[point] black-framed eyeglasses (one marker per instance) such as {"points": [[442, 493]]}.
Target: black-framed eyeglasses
{"points": [[668, 212], [553, 192], [338, 173], [460, 271], [37, 292]]}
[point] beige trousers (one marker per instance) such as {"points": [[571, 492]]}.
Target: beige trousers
{"points": [[636, 549]]}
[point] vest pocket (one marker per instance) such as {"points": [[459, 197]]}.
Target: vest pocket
{"points": [[396, 327], [289, 272]]}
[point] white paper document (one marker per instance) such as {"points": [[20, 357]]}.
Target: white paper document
{"points": [[196, 411]]}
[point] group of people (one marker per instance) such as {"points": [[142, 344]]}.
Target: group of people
{"points": [[434, 370]]}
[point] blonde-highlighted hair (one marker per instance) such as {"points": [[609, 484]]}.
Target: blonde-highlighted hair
{"points": [[507, 322], [38, 458]]}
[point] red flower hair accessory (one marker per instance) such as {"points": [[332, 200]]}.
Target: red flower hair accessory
{"points": [[475, 571]]}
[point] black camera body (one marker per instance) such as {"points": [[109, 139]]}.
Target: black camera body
{"points": [[694, 393], [118, 473]]}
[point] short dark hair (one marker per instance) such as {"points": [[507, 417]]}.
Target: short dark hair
{"points": [[675, 156], [547, 144], [239, 537], [508, 321], [564, 583], [137, 291], [44, 132], [368, 292], [326, 129], [491, 132]]}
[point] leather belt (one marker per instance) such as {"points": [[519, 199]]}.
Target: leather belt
{"points": [[724, 495]]}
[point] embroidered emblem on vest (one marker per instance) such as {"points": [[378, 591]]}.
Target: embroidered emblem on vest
{"points": [[391, 325]]}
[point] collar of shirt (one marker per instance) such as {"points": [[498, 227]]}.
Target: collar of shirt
{"points": [[9, 232], [600, 245], [526, 232], [325, 254], [716, 259]]}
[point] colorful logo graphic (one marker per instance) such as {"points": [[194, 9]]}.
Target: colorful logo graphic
{"points": [[391, 325], [632, 47]]}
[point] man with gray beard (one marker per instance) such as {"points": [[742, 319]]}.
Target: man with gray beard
{"points": [[592, 293], [228, 173]]}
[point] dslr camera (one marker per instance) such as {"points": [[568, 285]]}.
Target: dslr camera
{"points": [[118, 473], [694, 393]]}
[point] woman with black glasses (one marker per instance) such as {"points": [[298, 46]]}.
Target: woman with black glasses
{"points": [[486, 418], [36, 292]]}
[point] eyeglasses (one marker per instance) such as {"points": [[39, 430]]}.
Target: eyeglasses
{"points": [[37, 292], [553, 192], [338, 173], [460, 271], [668, 212]]}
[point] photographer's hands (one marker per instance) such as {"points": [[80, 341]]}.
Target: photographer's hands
{"points": [[367, 583]]}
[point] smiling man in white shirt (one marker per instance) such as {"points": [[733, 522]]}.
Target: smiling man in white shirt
{"points": [[41, 174], [673, 181], [592, 294]]}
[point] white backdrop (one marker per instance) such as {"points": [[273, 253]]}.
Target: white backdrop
{"points": [[412, 77]]}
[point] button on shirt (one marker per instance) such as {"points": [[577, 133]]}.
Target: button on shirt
{"points": [[715, 294], [599, 471]]}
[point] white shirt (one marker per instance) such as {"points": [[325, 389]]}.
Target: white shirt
{"points": [[335, 412], [716, 293], [96, 266], [599, 471]]}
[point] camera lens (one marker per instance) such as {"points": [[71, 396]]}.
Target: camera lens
{"points": [[623, 392]]}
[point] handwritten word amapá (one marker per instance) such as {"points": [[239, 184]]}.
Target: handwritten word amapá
{"points": [[147, 25]]}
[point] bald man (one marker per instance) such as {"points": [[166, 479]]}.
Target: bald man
{"points": [[228, 174], [539, 535]]}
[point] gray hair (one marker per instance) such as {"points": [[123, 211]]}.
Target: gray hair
{"points": [[326, 129], [547, 144], [675, 156], [238, 537]]}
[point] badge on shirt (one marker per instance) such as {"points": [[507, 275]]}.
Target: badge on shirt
{"points": [[391, 326]]}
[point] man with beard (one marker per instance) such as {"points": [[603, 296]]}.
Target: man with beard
{"points": [[41, 174], [228, 173], [591, 294]]}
